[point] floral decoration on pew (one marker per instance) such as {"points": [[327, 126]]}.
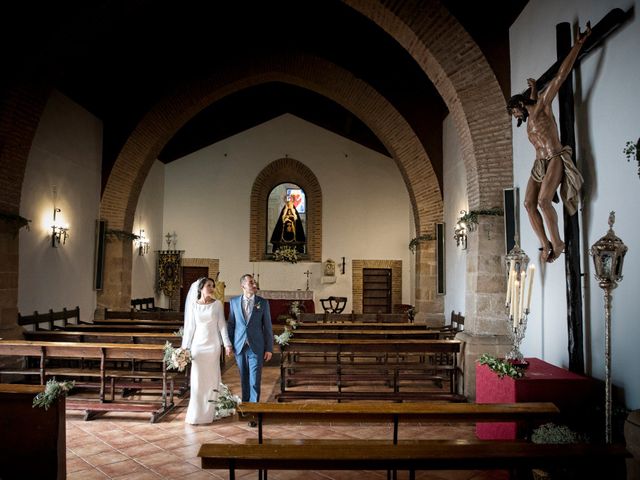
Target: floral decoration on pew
{"points": [[227, 403], [176, 358], [52, 391], [501, 367], [180, 332], [284, 337]]}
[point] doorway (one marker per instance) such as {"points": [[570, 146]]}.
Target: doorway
{"points": [[190, 275], [376, 290]]}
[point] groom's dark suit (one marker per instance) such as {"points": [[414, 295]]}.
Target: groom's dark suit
{"points": [[251, 337]]}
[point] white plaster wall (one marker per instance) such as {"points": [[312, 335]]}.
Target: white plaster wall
{"points": [[66, 152], [607, 105], [366, 211], [455, 200], [148, 217]]}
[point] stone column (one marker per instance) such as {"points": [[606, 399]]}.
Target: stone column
{"points": [[118, 257], [486, 326], [9, 245], [429, 305]]}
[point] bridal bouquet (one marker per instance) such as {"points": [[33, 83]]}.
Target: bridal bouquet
{"points": [[227, 402], [176, 358]]}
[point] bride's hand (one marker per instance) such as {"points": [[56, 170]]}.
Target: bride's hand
{"points": [[228, 351]]}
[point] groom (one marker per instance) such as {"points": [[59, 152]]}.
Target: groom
{"points": [[250, 332]]}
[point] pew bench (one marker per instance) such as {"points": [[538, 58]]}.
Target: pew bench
{"points": [[51, 319], [349, 360], [159, 316], [594, 461], [100, 353], [393, 413]]}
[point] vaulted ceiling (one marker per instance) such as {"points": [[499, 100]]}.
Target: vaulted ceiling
{"points": [[117, 58]]}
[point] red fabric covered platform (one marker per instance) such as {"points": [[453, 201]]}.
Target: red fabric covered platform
{"points": [[543, 382]]}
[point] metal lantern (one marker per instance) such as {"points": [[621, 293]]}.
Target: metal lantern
{"points": [[608, 256]]}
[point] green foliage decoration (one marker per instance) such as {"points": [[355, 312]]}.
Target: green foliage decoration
{"points": [[501, 367]]}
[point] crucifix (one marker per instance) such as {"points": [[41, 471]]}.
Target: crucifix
{"points": [[614, 19], [307, 273]]}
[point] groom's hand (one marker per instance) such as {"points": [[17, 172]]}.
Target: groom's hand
{"points": [[267, 356]]}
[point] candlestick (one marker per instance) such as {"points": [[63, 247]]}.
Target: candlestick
{"points": [[532, 270]]}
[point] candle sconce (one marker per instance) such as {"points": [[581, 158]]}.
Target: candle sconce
{"points": [[518, 299]]}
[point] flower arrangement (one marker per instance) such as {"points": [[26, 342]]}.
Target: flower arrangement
{"points": [[227, 403], [180, 332], [501, 367], [470, 219], [295, 308], [553, 433], [286, 254], [52, 391], [176, 358], [413, 244], [284, 337]]}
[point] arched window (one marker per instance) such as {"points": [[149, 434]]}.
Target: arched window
{"points": [[286, 218], [267, 196]]}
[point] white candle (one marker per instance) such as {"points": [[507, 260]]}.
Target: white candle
{"points": [[532, 270], [509, 284], [521, 300], [516, 297]]}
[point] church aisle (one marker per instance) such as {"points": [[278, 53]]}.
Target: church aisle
{"points": [[128, 447]]}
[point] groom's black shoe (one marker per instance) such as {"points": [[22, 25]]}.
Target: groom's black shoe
{"points": [[252, 424]]}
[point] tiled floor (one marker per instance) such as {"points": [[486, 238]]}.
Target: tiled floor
{"points": [[128, 447]]}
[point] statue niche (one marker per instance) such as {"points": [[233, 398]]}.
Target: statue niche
{"points": [[289, 230]]}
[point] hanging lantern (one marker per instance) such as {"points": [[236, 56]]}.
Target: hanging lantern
{"points": [[608, 257]]}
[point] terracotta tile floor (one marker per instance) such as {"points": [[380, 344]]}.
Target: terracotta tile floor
{"points": [[128, 447]]}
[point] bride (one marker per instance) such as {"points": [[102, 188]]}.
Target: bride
{"points": [[204, 324]]}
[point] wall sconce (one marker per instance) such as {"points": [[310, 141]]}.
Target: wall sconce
{"points": [[460, 231], [58, 232], [143, 244]]}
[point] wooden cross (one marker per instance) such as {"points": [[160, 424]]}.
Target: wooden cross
{"points": [[612, 21], [307, 273]]}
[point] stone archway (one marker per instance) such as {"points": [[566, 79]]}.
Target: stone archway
{"points": [[161, 123]]}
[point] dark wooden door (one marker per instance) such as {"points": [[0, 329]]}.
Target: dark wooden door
{"points": [[190, 275], [376, 290]]}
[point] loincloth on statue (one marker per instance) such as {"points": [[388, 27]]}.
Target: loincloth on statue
{"points": [[571, 178]]}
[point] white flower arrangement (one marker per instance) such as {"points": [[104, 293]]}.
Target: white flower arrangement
{"points": [[285, 336], [286, 254], [295, 308], [52, 391], [176, 358], [227, 403]]}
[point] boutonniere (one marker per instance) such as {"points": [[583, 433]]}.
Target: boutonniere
{"points": [[258, 306]]}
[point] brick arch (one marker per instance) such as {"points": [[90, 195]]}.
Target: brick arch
{"points": [[461, 74], [285, 170], [168, 116]]}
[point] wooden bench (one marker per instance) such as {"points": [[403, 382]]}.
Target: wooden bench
{"points": [[456, 325], [355, 317], [101, 353], [349, 361], [39, 320], [147, 304], [157, 316], [290, 413], [34, 444], [366, 333], [593, 461], [165, 327]]}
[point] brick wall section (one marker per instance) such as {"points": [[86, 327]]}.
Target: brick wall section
{"points": [[277, 172], [464, 79], [160, 124], [357, 269], [20, 112]]}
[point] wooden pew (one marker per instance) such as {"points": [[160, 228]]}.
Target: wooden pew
{"points": [[102, 353], [141, 315], [176, 324], [355, 317], [353, 412], [155, 328], [366, 333], [49, 319], [591, 460], [394, 362], [416, 327], [157, 338], [34, 439]]}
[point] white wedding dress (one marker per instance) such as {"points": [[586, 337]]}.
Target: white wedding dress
{"points": [[202, 335]]}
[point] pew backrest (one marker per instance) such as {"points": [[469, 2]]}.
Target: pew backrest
{"points": [[49, 319]]}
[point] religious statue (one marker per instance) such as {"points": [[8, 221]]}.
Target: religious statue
{"points": [[329, 268], [553, 165], [288, 230]]}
